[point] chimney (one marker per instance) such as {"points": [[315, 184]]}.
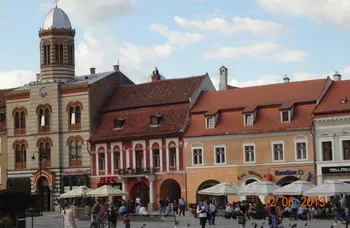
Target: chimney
{"points": [[336, 76], [286, 79], [223, 78], [116, 67], [38, 77], [92, 70], [155, 75]]}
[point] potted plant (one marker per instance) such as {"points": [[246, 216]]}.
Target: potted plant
{"points": [[259, 210]]}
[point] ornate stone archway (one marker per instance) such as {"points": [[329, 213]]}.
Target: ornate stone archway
{"points": [[43, 173]]}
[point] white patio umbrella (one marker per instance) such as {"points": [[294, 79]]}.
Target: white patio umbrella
{"points": [[256, 188], [329, 188], [221, 189], [77, 192], [106, 190], [294, 188]]}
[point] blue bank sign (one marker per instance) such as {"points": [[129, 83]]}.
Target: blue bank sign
{"points": [[288, 172]]}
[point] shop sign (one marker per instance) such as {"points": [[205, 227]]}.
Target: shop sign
{"points": [[240, 177], [108, 180], [341, 169], [75, 172], [288, 172]]}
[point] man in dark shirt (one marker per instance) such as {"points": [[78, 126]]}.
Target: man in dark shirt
{"points": [[162, 205]]}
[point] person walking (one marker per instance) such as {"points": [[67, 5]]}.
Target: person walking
{"points": [[182, 204], [67, 217], [296, 203], [202, 214], [212, 211]]}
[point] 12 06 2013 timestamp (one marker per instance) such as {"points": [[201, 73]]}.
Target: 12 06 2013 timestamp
{"points": [[305, 201]]}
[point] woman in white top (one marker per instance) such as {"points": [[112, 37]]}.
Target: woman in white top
{"points": [[202, 214], [67, 217]]}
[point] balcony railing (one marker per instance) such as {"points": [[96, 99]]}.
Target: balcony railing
{"points": [[137, 171]]}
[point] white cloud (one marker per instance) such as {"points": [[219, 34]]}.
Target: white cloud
{"points": [[16, 78], [261, 51], [334, 11], [92, 13], [177, 37], [219, 25]]}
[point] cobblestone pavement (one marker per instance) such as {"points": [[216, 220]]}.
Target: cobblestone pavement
{"points": [[53, 220]]}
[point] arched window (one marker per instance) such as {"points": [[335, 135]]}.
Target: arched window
{"points": [[44, 146], [19, 115], [172, 154], [47, 52], [156, 155], [116, 158], [70, 54], [75, 148], [44, 116], [74, 112], [19, 147], [101, 159]]}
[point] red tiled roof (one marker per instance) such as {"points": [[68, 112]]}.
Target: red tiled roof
{"points": [[161, 92], [137, 124], [268, 120], [331, 102], [3, 93], [297, 92]]}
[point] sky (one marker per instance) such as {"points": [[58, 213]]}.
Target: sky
{"points": [[259, 41]]}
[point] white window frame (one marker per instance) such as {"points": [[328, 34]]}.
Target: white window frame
{"points": [[245, 119], [206, 122], [195, 148], [325, 139], [220, 163], [296, 151], [341, 139], [273, 152], [289, 117], [249, 144]]}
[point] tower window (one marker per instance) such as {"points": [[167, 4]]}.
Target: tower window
{"points": [[59, 53], [47, 54], [70, 54]]}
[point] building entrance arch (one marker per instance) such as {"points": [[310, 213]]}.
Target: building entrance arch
{"points": [[44, 192], [171, 189], [287, 180], [140, 189], [220, 200], [246, 182]]}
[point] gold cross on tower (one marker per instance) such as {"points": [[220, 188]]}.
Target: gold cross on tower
{"points": [[55, 2]]}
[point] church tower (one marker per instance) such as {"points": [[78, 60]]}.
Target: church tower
{"points": [[57, 47]]}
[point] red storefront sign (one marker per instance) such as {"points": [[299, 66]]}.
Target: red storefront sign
{"points": [[108, 180]]}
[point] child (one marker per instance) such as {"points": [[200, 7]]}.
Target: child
{"points": [[126, 221]]}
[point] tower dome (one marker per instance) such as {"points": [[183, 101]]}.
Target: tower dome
{"points": [[56, 19]]}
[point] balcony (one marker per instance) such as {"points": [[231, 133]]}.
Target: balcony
{"points": [[136, 172]]}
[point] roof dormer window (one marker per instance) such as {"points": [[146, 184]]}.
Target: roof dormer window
{"points": [[210, 122], [155, 120], [118, 123], [248, 119], [285, 116]]}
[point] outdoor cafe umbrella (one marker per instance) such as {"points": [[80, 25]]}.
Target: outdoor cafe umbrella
{"points": [[105, 191], [329, 188], [221, 189], [77, 192], [257, 188], [295, 188]]}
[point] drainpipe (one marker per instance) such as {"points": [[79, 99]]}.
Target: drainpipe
{"points": [[314, 149]]}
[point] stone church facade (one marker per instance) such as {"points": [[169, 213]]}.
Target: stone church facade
{"points": [[50, 120]]}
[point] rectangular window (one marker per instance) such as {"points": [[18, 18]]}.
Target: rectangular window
{"points": [[101, 162], [197, 156], [301, 150], [249, 153], [346, 149], [172, 157], [220, 155], [116, 159], [327, 151], [285, 116], [156, 158], [248, 120], [210, 122], [278, 152]]}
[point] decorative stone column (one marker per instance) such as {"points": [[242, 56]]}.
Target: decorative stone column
{"points": [[151, 179], [319, 179], [123, 187]]}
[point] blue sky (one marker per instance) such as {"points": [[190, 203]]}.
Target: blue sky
{"points": [[258, 40]]}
